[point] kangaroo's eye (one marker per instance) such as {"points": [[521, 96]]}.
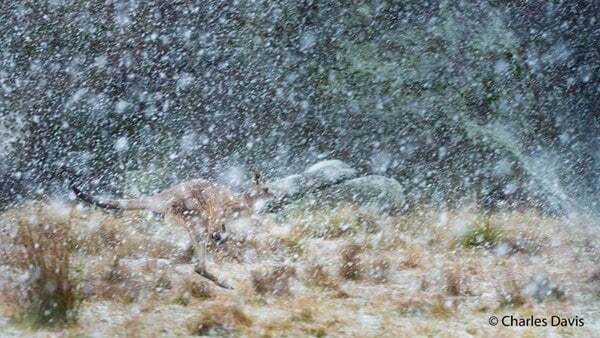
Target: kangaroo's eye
{"points": [[216, 236]]}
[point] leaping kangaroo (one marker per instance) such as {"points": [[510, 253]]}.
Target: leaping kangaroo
{"points": [[189, 203]]}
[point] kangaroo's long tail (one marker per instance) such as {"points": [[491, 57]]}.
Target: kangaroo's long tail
{"points": [[104, 204]]}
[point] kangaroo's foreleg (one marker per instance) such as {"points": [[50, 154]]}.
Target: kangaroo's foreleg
{"points": [[199, 249], [200, 267]]}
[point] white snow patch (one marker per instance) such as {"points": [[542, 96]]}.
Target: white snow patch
{"points": [[122, 144], [184, 81], [501, 67], [234, 176], [121, 106], [380, 162], [307, 41]]}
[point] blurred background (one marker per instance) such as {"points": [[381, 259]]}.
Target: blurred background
{"points": [[493, 103]]}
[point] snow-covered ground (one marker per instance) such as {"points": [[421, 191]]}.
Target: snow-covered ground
{"points": [[338, 272]]}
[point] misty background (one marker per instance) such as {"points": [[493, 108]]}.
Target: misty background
{"points": [[493, 103]]}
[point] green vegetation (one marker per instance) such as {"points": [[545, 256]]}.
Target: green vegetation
{"points": [[483, 233]]}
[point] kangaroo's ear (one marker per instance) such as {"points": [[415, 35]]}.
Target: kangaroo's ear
{"points": [[256, 178]]}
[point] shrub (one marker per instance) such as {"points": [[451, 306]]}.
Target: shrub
{"points": [[51, 296]]}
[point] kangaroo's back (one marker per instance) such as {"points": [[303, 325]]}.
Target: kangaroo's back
{"points": [[216, 202], [193, 199]]}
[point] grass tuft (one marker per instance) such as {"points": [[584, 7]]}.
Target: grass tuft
{"points": [[351, 264], [455, 282], [511, 295], [50, 296], [482, 234], [219, 320], [274, 281]]}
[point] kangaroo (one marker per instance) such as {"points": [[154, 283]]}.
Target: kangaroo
{"points": [[189, 203]]}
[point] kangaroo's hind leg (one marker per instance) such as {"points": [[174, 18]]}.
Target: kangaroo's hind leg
{"points": [[200, 267], [199, 248]]}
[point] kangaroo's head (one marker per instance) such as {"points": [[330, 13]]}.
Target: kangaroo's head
{"points": [[237, 208], [258, 191]]}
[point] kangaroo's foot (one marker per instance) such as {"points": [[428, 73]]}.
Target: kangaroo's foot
{"points": [[201, 270]]}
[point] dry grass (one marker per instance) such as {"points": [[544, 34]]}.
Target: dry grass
{"points": [[273, 281], [193, 289], [512, 295], [317, 275], [351, 263], [219, 320], [42, 246], [339, 272], [412, 257], [455, 283]]}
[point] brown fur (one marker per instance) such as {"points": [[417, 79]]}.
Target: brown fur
{"points": [[192, 203]]}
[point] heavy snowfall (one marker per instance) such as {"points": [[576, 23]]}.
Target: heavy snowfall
{"points": [[299, 168]]}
